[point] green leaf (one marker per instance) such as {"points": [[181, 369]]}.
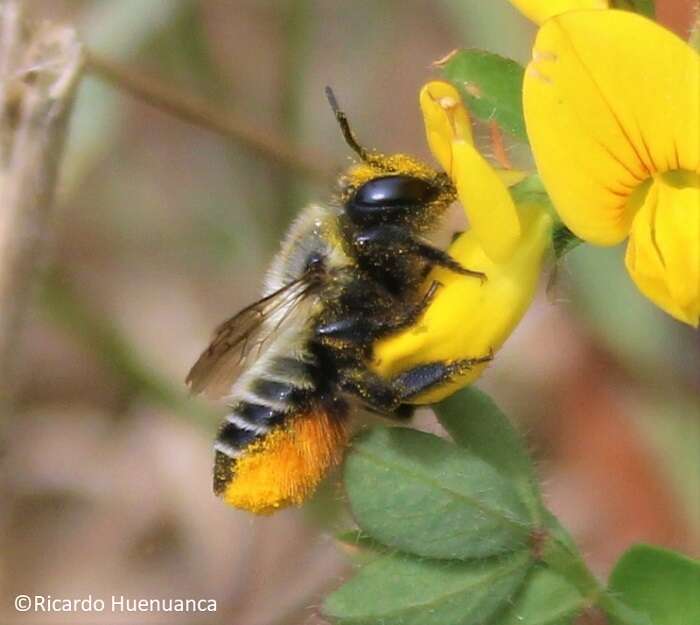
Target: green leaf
{"points": [[475, 423], [643, 7], [359, 546], [491, 86], [558, 532], [546, 599], [402, 590], [663, 584], [424, 495]]}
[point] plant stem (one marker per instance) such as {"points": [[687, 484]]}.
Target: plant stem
{"points": [[563, 240], [200, 112], [40, 66], [566, 561]]}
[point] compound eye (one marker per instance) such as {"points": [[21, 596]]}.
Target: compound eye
{"points": [[392, 191]]}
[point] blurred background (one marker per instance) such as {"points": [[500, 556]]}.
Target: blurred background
{"points": [[161, 229]]}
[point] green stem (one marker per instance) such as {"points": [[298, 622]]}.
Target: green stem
{"points": [[566, 561], [563, 240]]}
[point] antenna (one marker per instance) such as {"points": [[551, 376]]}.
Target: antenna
{"points": [[345, 127]]}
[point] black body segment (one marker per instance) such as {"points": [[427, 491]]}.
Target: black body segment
{"points": [[375, 291], [274, 390], [235, 436], [258, 415], [394, 241], [390, 395], [389, 199], [347, 275]]}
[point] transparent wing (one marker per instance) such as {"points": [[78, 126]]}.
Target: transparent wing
{"points": [[242, 337]]}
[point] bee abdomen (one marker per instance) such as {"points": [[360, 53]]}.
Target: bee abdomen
{"points": [[264, 403], [245, 423], [279, 389]]}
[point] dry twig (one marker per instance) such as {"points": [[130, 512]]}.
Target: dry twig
{"points": [[199, 111], [40, 65]]}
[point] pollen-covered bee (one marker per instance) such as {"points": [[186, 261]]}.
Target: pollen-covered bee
{"points": [[293, 364]]}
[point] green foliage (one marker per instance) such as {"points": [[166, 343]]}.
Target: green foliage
{"points": [[476, 424], [399, 589], [363, 547], [491, 86], [457, 534], [644, 7], [660, 583], [546, 599], [419, 493]]}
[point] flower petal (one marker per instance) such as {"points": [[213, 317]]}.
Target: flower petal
{"points": [[610, 98], [488, 204], [541, 10], [468, 319], [446, 120], [663, 253]]}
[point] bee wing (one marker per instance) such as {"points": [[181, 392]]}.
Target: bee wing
{"points": [[245, 334]]}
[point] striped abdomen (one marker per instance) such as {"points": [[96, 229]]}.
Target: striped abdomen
{"points": [[280, 436]]}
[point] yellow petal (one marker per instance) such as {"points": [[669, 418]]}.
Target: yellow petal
{"points": [[610, 98], [488, 204], [663, 253], [446, 120], [467, 319], [541, 10]]}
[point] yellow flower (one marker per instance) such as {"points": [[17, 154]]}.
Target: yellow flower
{"points": [[468, 319], [612, 106], [541, 10]]}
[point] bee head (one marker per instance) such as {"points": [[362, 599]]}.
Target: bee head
{"points": [[394, 188]]}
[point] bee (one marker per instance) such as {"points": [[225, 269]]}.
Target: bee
{"points": [[293, 365]]}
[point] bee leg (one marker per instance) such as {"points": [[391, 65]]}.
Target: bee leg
{"points": [[412, 314], [389, 396], [403, 413], [432, 375], [372, 389], [441, 258], [394, 238], [360, 328], [351, 329]]}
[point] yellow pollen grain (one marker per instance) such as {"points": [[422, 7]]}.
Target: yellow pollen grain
{"points": [[284, 467]]}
